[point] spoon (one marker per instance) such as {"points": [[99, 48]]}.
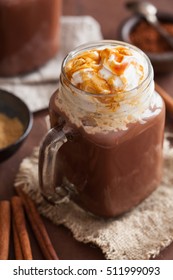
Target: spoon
{"points": [[149, 11]]}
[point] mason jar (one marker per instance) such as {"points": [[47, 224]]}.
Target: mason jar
{"points": [[103, 151], [29, 34]]}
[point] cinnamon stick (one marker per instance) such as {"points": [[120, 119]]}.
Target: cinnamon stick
{"points": [[38, 226], [168, 99], [19, 220], [17, 246], [5, 218]]}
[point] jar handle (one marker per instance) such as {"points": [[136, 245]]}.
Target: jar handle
{"points": [[50, 146]]}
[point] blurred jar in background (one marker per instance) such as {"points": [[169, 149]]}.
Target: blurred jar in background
{"points": [[29, 34]]}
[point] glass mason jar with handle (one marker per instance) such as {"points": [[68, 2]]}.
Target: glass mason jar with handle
{"points": [[104, 148]]}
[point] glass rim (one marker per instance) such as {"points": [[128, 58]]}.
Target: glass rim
{"points": [[100, 43]]}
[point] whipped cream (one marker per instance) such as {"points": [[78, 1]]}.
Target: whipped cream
{"points": [[107, 70], [109, 87]]}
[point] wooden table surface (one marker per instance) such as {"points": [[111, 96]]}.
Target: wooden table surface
{"points": [[109, 14]]}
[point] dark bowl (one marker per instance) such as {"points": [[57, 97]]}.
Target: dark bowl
{"points": [[162, 62], [12, 106]]}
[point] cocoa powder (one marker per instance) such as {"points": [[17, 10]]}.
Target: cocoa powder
{"points": [[148, 39]]}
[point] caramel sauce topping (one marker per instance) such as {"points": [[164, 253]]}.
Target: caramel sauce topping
{"points": [[102, 70]]}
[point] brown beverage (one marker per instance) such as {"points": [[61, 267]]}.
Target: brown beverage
{"points": [[109, 152], [29, 34]]}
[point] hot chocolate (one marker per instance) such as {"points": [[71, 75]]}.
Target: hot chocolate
{"points": [[29, 34], [109, 123]]}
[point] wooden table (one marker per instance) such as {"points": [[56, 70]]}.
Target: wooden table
{"points": [[110, 15]]}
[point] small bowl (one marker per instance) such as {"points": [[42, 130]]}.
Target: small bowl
{"points": [[162, 62], [12, 106]]}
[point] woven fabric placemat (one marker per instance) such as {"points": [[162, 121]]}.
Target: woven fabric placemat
{"points": [[139, 234]]}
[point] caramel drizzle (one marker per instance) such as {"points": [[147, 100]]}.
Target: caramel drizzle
{"points": [[92, 61]]}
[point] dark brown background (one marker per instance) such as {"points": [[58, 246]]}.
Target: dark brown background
{"points": [[110, 14]]}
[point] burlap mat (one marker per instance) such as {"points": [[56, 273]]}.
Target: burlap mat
{"points": [[139, 234]]}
